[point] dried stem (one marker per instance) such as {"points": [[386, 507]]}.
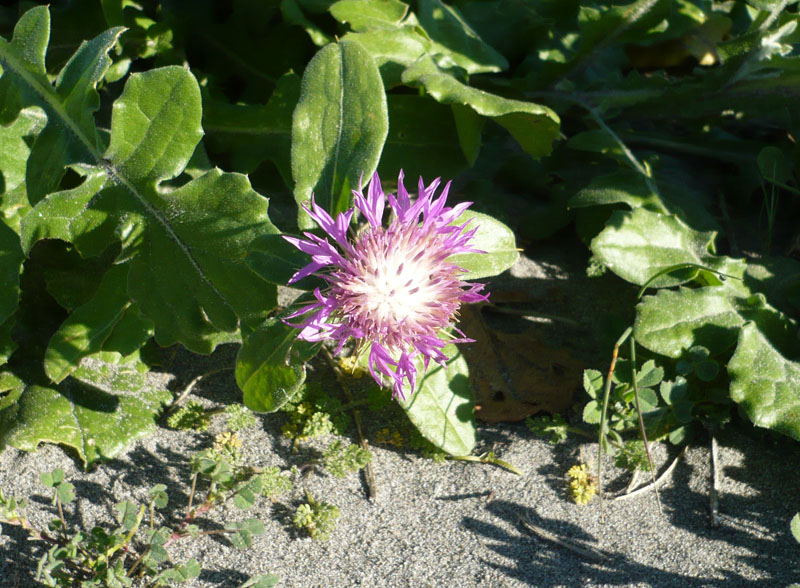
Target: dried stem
{"points": [[602, 435], [714, 493], [341, 377], [548, 536], [657, 481]]}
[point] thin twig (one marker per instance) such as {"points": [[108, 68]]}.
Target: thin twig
{"points": [[369, 473], [188, 390], [658, 480], [714, 493], [602, 436], [634, 482], [548, 536], [191, 496]]}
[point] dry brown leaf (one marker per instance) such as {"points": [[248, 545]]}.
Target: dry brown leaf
{"points": [[515, 375]]}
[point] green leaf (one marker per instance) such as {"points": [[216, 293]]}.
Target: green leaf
{"points": [[89, 326], [203, 251], [649, 375], [421, 141], [244, 499], [29, 46], [592, 413], [674, 392], [269, 369], [639, 244], [11, 258], [158, 495], [73, 99], [190, 240], [181, 573], [535, 127], [293, 14], [456, 40], [492, 237], [369, 14], [648, 400], [765, 383], [469, 126], [441, 408], [393, 50], [673, 321], [624, 186], [98, 420], [339, 127], [13, 162], [276, 261], [253, 133], [242, 538], [593, 383], [127, 514], [795, 526]]}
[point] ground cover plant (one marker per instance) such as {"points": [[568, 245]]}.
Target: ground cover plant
{"points": [[168, 168]]}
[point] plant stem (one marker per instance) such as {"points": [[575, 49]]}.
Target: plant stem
{"points": [[487, 458], [602, 436], [369, 474], [186, 391], [663, 476], [641, 422], [714, 493]]}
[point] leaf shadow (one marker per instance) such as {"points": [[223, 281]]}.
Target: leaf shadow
{"points": [[541, 563], [758, 519]]}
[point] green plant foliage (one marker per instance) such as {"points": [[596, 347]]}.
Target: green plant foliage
{"points": [[270, 368], [97, 419], [535, 127], [317, 518], [764, 382], [638, 245], [190, 416], [340, 460], [339, 127], [441, 407], [120, 554], [554, 427]]}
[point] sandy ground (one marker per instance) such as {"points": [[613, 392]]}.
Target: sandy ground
{"points": [[454, 523]]}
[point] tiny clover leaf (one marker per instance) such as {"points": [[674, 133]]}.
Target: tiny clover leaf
{"points": [[593, 383], [181, 573], [242, 536], [63, 491], [795, 527], [158, 495], [592, 413], [244, 498], [128, 515]]}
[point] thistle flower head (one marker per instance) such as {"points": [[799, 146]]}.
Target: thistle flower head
{"points": [[388, 286]]}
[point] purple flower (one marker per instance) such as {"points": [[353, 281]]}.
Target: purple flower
{"points": [[389, 287]]}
